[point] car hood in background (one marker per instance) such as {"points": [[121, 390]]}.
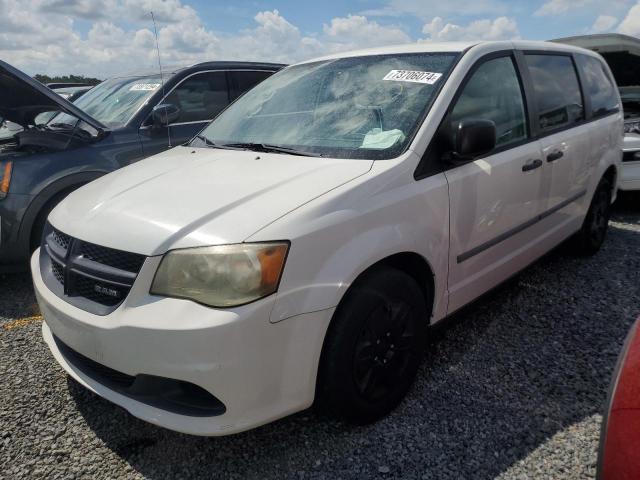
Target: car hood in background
{"points": [[22, 98], [189, 197]]}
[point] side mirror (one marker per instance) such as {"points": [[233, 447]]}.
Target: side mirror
{"points": [[473, 138], [164, 114]]}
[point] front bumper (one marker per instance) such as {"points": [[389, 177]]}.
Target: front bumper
{"points": [[630, 176], [14, 240], [259, 370]]}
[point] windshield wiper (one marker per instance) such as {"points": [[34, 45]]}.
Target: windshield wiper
{"points": [[205, 140], [210, 144], [67, 126], [268, 148]]}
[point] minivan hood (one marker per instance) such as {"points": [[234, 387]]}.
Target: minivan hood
{"points": [[23, 98], [189, 197]]}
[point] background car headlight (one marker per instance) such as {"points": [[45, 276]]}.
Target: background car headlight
{"points": [[5, 177], [221, 276]]}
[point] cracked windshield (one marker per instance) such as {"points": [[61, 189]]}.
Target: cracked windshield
{"points": [[363, 107]]}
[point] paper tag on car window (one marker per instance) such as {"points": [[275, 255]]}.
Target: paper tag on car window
{"points": [[144, 87], [413, 76]]}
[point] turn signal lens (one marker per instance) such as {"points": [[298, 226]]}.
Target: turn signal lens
{"points": [[271, 262], [5, 178]]}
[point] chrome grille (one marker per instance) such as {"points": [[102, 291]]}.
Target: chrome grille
{"points": [[89, 276]]}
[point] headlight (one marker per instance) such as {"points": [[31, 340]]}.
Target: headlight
{"points": [[632, 127], [221, 276], [5, 177]]}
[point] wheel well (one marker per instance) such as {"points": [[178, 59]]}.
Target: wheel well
{"points": [[610, 174], [413, 265], [53, 200]]}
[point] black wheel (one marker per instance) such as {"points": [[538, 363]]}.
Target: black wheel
{"points": [[374, 347], [594, 229]]}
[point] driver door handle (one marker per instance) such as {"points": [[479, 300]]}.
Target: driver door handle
{"points": [[553, 156], [532, 165]]}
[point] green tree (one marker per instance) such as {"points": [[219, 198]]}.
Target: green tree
{"points": [[67, 79]]}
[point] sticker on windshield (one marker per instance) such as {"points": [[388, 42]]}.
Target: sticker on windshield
{"points": [[144, 87], [413, 76]]}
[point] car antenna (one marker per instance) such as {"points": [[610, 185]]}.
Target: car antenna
{"points": [[155, 31]]}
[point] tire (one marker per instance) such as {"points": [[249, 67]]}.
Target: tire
{"points": [[41, 219], [374, 347], [591, 236]]}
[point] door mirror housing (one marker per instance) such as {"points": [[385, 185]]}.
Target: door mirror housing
{"points": [[164, 113], [473, 137]]}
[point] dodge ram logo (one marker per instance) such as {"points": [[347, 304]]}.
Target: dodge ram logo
{"points": [[110, 292]]}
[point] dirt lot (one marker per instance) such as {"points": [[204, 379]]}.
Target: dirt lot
{"points": [[513, 387]]}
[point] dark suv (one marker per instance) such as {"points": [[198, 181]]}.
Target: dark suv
{"points": [[120, 121]]}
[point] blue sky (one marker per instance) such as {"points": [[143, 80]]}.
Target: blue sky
{"points": [[105, 37], [310, 16]]}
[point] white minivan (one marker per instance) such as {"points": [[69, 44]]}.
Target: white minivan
{"points": [[298, 249]]}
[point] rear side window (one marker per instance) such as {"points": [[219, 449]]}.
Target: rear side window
{"points": [[557, 91], [246, 80], [200, 97], [493, 93], [598, 86]]}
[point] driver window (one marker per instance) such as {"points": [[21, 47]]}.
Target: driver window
{"points": [[493, 93], [201, 97]]}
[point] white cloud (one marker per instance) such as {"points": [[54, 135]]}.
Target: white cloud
{"points": [[175, 39], [21, 29], [630, 25], [106, 34], [273, 39], [501, 28], [40, 36], [604, 23], [165, 11], [51, 36], [85, 9], [561, 7], [276, 39], [356, 31], [425, 9], [556, 7]]}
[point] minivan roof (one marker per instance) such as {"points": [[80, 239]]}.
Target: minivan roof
{"points": [[171, 70], [453, 47]]}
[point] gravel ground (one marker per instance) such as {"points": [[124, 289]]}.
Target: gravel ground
{"points": [[513, 388]]}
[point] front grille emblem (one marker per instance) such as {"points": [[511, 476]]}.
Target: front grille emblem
{"points": [[89, 276], [110, 292]]}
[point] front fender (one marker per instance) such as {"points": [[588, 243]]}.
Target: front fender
{"points": [[335, 238]]}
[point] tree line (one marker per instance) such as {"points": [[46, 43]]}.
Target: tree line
{"points": [[67, 79]]}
